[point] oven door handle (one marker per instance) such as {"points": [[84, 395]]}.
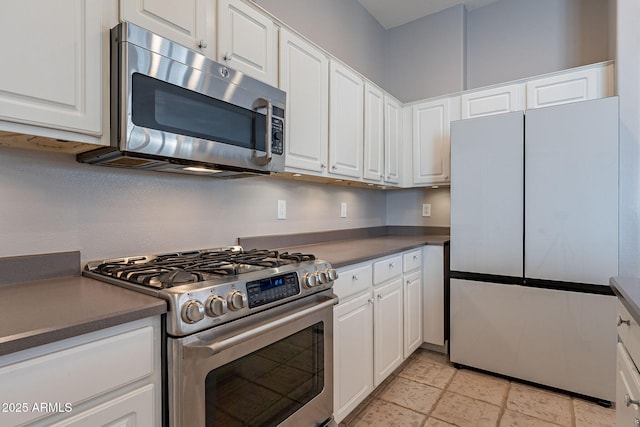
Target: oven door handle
{"points": [[205, 349]]}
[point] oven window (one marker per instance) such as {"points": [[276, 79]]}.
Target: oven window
{"points": [[267, 386], [163, 106]]}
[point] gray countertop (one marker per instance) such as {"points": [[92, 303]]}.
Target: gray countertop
{"points": [[352, 251], [44, 311], [628, 290]]}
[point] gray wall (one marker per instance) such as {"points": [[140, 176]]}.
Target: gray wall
{"points": [[426, 57], [513, 39], [405, 207], [342, 27], [51, 203], [628, 88]]}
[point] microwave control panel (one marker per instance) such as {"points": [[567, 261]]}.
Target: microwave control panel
{"points": [[277, 131]]}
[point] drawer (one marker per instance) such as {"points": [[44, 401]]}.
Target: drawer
{"points": [[387, 269], [352, 281], [627, 384], [412, 261], [629, 333], [78, 373]]}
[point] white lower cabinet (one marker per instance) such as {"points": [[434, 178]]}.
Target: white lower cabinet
{"points": [[377, 324], [353, 351], [433, 295], [412, 312], [628, 376], [388, 324], [108, 377]]}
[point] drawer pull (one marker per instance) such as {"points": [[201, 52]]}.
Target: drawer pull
{"points": [[628, 401], [380, 297], [620, 322], [355, 277], [415, 257], [370, 301], [392, 264]]}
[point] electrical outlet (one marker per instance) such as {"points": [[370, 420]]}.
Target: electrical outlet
{"points": [[426, 209], [343, 210], [282, 209]]}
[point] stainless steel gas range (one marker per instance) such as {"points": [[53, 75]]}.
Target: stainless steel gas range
{"points": [[249, 338]]}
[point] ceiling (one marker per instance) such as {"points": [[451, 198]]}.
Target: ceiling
{"points": [[393, 13]]}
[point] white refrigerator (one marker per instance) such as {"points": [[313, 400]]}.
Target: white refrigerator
{"points": [[534, 241]]}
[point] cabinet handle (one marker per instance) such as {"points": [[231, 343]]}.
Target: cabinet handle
{"points": [[628, 401], [415, 257], [392, 264], [228, 56], [334, 167], [380, 297], [370, 301], [356, 277], [620, 321], [323, 166], [202, 44], [408, 282]]}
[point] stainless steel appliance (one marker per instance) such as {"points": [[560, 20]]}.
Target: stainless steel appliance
{"points": [[173, 109], [249, 338]]}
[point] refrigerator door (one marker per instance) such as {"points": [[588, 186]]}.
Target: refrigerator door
{"points": [[571, 192], [486, 195]]}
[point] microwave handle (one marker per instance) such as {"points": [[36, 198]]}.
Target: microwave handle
{"points": [[265, 103]]}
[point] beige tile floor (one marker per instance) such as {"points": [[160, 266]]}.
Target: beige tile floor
{"points": [[427, 391]]}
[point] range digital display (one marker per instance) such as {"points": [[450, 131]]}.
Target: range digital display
{"points": [[265, 291]]}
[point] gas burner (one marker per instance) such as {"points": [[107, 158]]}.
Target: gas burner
{"points": [[297, 256]]}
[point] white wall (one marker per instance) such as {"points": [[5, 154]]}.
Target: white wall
{"points": [[342, 27], [628, 88], [513, 39], [404, 207], [426, 57], [51, 203]]}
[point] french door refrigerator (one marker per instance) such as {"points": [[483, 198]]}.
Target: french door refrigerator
{"points": [[534, 241]]}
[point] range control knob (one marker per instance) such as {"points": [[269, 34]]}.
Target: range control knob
{"points": [[236, 300], [331, 273], [216, 306], [309, 280], [322, 277], [192, 311]]}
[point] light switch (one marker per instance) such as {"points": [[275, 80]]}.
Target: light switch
{"points": [[426, 209]]}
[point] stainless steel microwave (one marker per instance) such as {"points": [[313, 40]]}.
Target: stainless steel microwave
{"points": [[173, 109]]}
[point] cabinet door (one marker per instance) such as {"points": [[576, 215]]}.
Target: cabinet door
{"points": [[503, 99], [392, 139], [412, 312], [353, 353], [573, 86], [345, 121], [185, 23], [388, 323], [433, 309], [247, 40], [627, 385], [53, 70], [431, 161], [304, 75], [134, 409], [373, 133]]}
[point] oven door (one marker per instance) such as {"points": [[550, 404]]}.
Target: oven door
{"points": [[274, 368]]}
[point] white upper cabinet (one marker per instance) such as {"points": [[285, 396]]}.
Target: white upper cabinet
{"points": [[392, 139], [304, 75], [496, 100], [373, 133], [190, 24], [247, 40], [346, 118], [431, 141], [581, 84], [52, 76]]}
